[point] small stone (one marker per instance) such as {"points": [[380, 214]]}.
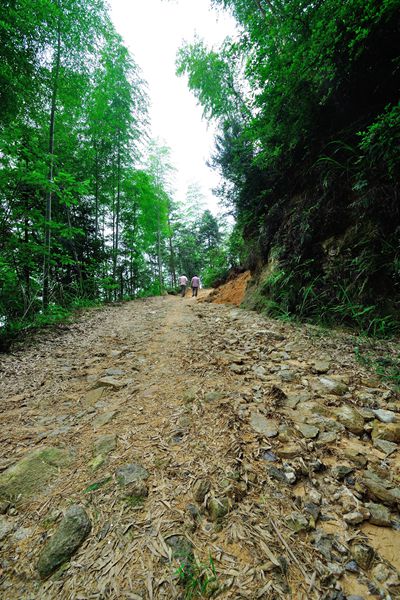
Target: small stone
{"points": [[277, 474], [321, 366], [341, 471], [385, 416], [308, 431], [354, 517], [289, 451], [4, 506], [386, 431], [104, 418], [238, 369], [269, 456], [201, 489], [386, 447], [350, 418], [115, 372], [363, 555], [380, 572], [297, 522], [6, 526], [352, 567], [93, 396], [314, 496], [380, 489], [326, 437], [287, 375], [213, 396], [294, 399], [193, 511], [105, 444], [111, 382], [218, 508], [334, 387], [22, 533], [312, 509], [267, 427], [131, 473], [259, 370], [181, 549], [379, 514], [71, 533]]}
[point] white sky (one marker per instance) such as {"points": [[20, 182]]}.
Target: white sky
{"points": [[153, 31]]}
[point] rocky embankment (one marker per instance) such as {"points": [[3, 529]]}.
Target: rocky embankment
{"points": [[168, 445]]}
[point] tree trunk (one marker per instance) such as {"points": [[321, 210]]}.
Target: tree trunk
{"points": [[47, 234]]}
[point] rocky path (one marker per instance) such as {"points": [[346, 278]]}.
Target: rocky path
{"points": [[169, 448]]}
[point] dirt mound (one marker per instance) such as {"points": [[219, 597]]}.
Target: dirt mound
{"points": [[231, 292]]}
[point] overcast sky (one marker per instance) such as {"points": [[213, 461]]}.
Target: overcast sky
{"points": [[153, 31]]}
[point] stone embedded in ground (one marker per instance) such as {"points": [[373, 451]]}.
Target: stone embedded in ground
{"points": [[385, 446], [111, 382], [131, 474], [321, 366], [385, 416], [71, 533], [218, 508], [380, 489], [326, 437], [238, 369], [6, 527], [293, 399], [104, 418], [287, 375], [308, 431], [4, 506], [338, 388], [200, 489], [350, 418], [341, 471], [297, 522], [136, 489], [181, 549], [93, 396], [105, 444], [33, 472], [22, 533], [362, 554], [289, 451], [354, 518], [114, 372], [389, 432], [267, 427], [379, 514], [213, 396]]}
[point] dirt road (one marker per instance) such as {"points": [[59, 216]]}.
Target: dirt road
{"points": [[249, 463]]}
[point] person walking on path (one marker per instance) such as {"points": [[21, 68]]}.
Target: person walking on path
{"points": [[183, 281], [195, 285]]}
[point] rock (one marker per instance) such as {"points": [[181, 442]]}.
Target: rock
{"points": [[350, 418], [289, 451], [269, 456], [314, 496], [379, 514], [294, 399], [71, 533], [386, 431], [326, 437], [363, 555], [105, 444], [341, 471], [104, 418], [111, 382], [6, 527], [181, 549], [287, 375], [267, 427], [22, 533], [213, 396], [130, 474], [334, 387], [385, 446], [4, 506], [308, 431], [277, 474], [201, 489], [356, 456], [312, 509], [218, 508], [33, 472], [380, 489], [238, 369], [136, 490], [380, 572], [297, 522], [93, 396], [321, 366], [352, 567], [385, 416], [115, 372], [354, 518], [259, 370]]}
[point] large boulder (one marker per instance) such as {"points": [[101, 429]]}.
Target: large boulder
{"points": [[72, 531], [33, 472]]}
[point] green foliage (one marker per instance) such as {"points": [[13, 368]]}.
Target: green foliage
{"points": [[97, 485], [199, 580], [387, 367]]}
